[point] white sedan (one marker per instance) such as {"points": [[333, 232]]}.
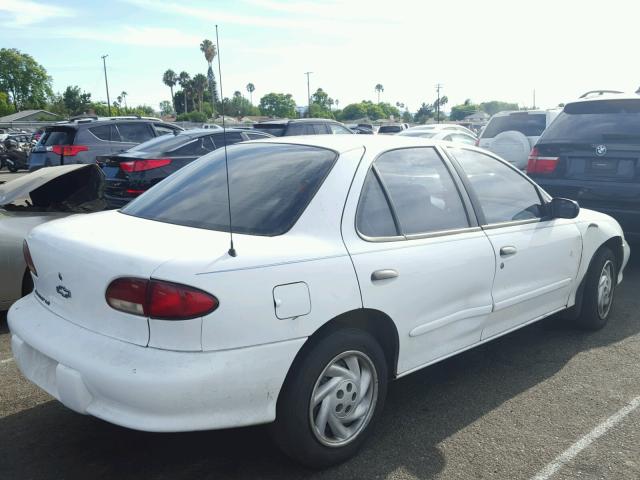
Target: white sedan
{"points": [[443, 135], [357, 260]]}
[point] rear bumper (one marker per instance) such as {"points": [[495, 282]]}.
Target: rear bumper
{"points": [[621, 201], [145, 388]]}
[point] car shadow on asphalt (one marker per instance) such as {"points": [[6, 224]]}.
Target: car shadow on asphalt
{"points": [[423, 409]]}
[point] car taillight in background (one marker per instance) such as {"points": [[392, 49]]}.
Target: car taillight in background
{"points": [[159, 299], [142, 165], [68, 150], [539, 164], [27, 258]]}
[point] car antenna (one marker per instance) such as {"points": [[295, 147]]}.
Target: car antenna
{"points": [[232, 251]]}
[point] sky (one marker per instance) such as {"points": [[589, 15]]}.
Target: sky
{"points": [[483, 49]]}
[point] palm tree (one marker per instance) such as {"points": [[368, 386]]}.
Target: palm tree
{"points": [[183, 80], [337, 103], [119, 98], [251, 88], [124, 98], [209, 49], [200, 85], [379, 89], [170, 79]]}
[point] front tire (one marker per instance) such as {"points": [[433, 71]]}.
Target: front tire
{"points": [[599, 290], [331, 399]]}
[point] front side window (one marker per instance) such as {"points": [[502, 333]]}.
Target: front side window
{"points": [[230, 138], [504, 194], [163, 129], [339, 129], [301, 129], [270, 185], [195, 148], [421, 190], [107, 133]]}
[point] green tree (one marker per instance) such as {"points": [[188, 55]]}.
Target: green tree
{"points": [[5, 106], [124, 98], [184, 79], [75, 102], [379, 88], [24, 79], [424, 113], [321, 104], [353, 111], [169, 78], [166, 108], [389, 110], [459, 112], [495, 106], [251, 88], [200, 86], [278, 105], [210, 51], [407, 117]]}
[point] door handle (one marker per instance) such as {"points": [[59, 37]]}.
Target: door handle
{"points": [[508, 251], [383, 274]]}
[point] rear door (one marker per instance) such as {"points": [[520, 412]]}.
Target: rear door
{"points": [[537, 257], [131, 134], [418, 254], [42, 154]]}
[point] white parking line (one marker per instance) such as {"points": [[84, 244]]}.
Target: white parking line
{"points": [[6, 360], [571, 452]]}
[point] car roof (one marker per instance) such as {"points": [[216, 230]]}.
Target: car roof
{"points": [[93, 121], [607, 96], [344, 143], [297, 120], [199, 132]]}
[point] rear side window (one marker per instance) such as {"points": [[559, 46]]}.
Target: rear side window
{"points": [[599, 121], [108, 133], [163, 129], [339, 129], [374, 218], [504, 194], [58, 136], [301, 129], [135, 132], [276, 129], [529, 124], [270, 186], [422, 191]]}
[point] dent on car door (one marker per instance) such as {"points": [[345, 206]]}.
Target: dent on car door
{"points": [[537, 257], [418, 254]]}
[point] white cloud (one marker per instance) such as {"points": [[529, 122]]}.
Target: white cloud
{"points": [[129, 35], [24, 12]]}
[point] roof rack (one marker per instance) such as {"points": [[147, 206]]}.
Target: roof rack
{"points": [[83, 117], [598, 92]]}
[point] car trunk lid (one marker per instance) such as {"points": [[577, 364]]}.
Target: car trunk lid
{"points": [[76, 259]]}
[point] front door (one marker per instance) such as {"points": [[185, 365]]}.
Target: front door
{"points": [[419, 254], [537, 257]]}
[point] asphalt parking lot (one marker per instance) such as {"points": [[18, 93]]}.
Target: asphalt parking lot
{"points": [[505, 410], [6, 176]]}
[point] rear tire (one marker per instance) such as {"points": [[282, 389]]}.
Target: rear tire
{"points": [[331, 399], [599, 289]]}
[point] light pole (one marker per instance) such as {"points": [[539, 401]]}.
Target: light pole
{"points": [[438, 87], [308, 95], [106, 82]]}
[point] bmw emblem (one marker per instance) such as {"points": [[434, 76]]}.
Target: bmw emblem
{"points": [[601, 150]]}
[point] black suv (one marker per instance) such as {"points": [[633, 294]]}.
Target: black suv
{"points": [[132, 172], [302, 126], [591, 153], [83, 139]]}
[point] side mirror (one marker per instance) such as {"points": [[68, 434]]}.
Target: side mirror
{"points": [[564, 208]]}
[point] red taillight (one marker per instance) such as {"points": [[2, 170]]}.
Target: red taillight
{"points": [[134, 192], [542, 165], [27, 258], [69, 150], [159, 299], [141, 165]]}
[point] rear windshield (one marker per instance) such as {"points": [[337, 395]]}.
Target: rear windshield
{"points": [[163, 143], [529, 124], [58, 136], [596, 122], [270, 186], [390, 129], [418, 133]]}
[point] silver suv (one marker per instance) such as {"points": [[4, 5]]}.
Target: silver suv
{"points": [[84, 139]]}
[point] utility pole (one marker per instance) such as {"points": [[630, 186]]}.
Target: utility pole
{"points": [[534, 98], [106, 82], [438, 87], [308, 95]]}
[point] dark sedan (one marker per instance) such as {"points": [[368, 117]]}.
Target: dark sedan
{"points": [[130, 173]]}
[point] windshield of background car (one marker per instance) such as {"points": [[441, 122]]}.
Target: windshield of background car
{"points": [[270, 187], [529, 124], [390, 129], [58, 136], [599, 121], [418, 133]]}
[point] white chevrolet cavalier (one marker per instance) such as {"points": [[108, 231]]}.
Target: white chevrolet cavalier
{"points": [[359, 260]]}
